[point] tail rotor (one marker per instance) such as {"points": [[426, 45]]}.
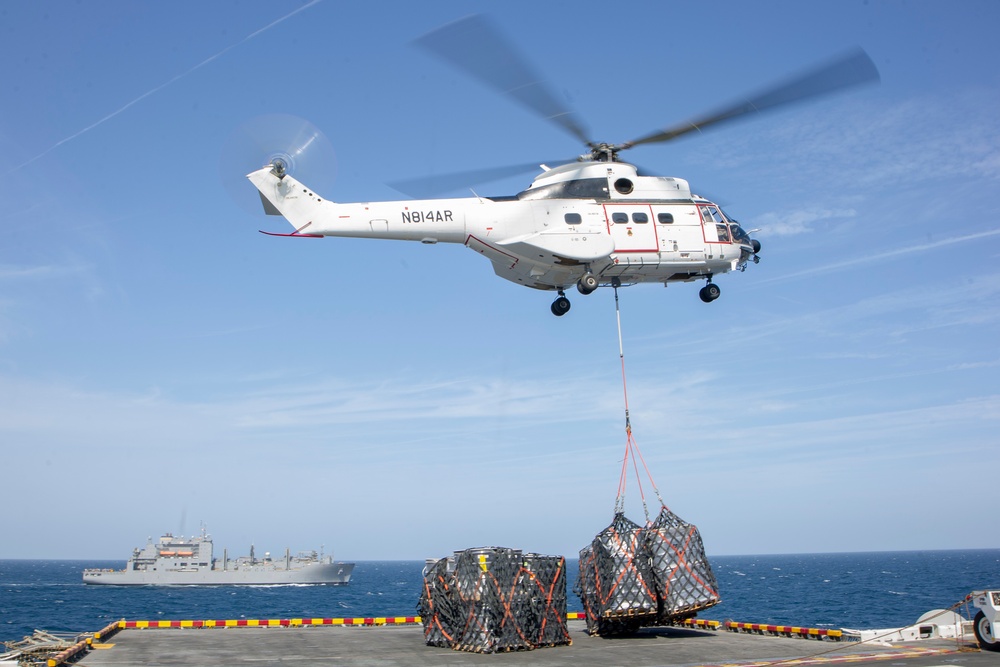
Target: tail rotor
{"points": [[291, 144]]}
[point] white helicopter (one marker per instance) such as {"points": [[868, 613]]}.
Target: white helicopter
{"points": [[596, 221]]}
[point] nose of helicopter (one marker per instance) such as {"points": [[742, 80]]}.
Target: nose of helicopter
{"points": [[749, 249], [755, 246]]}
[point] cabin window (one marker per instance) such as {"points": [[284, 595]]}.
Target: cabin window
{"points": [[619, 218], [640, 217], [573, 218], [665, 218], [624, 186]]}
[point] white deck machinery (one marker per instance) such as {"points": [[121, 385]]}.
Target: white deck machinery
{"points": [[946, 624], [986, 624]]}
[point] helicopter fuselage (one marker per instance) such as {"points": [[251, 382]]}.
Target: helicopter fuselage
{"points": [[592, 222], [593, 218]]}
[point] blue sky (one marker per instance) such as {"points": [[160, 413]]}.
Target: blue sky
{"points": [[163, 364]]}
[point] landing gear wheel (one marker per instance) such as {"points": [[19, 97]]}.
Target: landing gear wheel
{"points": [[985, 633], [587, 284], [560, 306], [709, 292]]}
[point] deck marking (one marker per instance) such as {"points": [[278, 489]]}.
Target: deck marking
{"points": [[908, 652]]}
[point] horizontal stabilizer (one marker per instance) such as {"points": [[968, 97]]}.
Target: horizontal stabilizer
{"points": [[304, 236]]}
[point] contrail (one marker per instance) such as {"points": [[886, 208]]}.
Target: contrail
{"points": [[162, 86], [886, 255]]}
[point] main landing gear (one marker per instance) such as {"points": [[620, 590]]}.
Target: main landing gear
{"points": [[585, 285], [709, 292], [561, 305]]}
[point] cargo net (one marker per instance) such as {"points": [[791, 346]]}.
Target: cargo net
{"points": [[685, 583], [494, 599], [632, 577]]}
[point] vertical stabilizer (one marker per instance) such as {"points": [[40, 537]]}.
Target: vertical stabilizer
{"points": [[285, 196]]}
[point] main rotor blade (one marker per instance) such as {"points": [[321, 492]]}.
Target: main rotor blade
{"points": [[850, 70], [474, 45], [438, 184]]}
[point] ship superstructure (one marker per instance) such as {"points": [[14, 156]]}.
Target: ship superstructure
{"points": [[179, 561]]}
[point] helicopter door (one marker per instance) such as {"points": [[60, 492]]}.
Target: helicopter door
{"points": [[714, 225], [631, 227]]}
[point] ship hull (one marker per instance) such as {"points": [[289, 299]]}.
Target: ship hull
{"points": [[313, 574]]}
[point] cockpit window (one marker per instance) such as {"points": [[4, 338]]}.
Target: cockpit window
{"points": [[710, 214], [739, 235]]}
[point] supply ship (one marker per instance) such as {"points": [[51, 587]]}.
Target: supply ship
{"points": [[179, 561]]}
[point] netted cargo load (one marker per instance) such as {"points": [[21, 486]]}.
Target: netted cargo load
{"points": [[483, 578], [615, 584], [495, 599], [684, 579], [542, 586], [632, 576]]}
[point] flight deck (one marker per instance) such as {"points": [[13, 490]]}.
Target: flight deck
{"points": [[376, 645]]}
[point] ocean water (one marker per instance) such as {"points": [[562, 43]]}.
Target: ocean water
{"points": [[854, 590]]}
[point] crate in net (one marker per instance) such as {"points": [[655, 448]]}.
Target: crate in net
{"points": [[493, 599], [616, 584], [685, 583]]}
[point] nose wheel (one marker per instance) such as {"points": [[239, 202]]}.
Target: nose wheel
{"points": [[561, 305]]}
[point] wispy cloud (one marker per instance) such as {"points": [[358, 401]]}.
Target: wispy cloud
{"points": [[867, 434], [867, 146], [798, 222], [323, 405], [331, 401], [965, 366], [913, 141], [882, 256], [160, 87], [40, 272], [878, 314]]}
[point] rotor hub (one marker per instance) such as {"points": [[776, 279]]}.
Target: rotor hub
{"points": [[279, 167], [603, 152]]}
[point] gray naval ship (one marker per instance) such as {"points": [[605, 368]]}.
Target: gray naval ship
{"points": [[179, 561]]}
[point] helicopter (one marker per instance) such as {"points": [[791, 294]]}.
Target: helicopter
{"points": [[588, 222]]}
